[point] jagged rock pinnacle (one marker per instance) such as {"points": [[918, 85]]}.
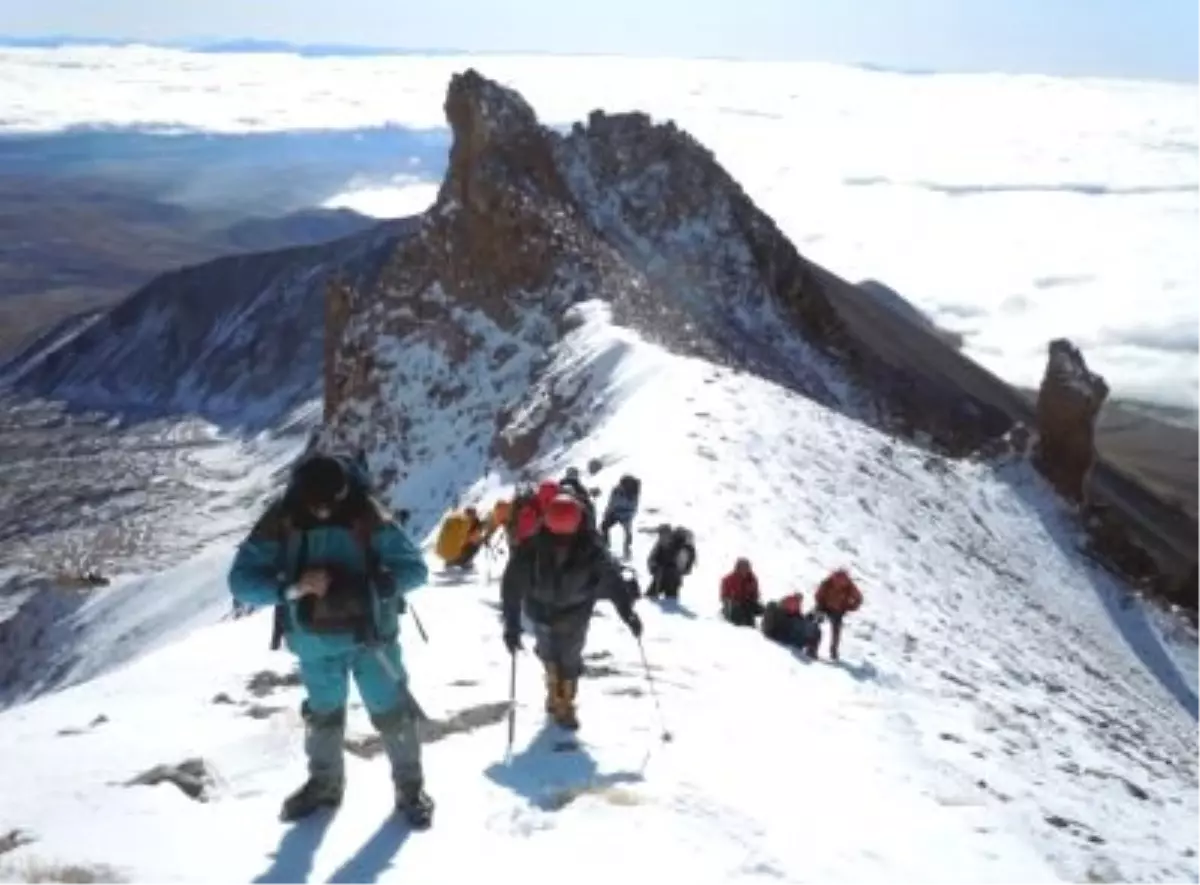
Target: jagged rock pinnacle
{"points": [[1069, 402]]}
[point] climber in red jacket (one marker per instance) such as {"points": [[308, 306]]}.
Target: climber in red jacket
{"points": [[739, 595], [837, 595]]}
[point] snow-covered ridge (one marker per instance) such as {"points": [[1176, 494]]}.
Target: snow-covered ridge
{"points": [[990, 721]]}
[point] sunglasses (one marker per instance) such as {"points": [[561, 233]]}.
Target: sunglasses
{"points": [[322, 508]]}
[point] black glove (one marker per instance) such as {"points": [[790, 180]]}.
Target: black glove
{"points": [[634, 623], [512, 640]]}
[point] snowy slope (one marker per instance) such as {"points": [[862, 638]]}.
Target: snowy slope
{"points": [[991, 720]]}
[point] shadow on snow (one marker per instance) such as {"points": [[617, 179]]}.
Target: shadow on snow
{"points": [[550, 777]]}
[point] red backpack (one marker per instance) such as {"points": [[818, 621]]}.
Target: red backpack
{"points": [[526, 516]]}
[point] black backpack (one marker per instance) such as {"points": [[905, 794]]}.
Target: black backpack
{"points": [[632, 486]]}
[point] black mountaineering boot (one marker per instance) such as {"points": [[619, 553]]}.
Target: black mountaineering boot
{"points": [[312, 796], [414, 804]]}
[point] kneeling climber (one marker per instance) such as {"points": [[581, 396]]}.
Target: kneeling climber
{"points": [[336, 566], [556, 575]]}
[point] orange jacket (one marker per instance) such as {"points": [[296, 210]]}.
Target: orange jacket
{"points": [[839, 594]]}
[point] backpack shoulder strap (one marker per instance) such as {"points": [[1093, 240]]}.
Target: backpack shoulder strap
{"points": [[277, 525], [362, 528], [372, 516]]}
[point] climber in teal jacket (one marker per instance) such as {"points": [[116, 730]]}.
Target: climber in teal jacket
{"points": [[336, 568]]}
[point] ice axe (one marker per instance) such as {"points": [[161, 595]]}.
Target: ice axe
{"points": [[401, 684]]}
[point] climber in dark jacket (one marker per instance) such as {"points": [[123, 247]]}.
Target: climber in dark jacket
{"points": [[621, 509], [785, 622], [557, 575], [670, 561]]}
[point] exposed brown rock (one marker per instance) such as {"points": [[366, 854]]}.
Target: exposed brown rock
{"points": [[635, 214], [1109, 541], [1069, 400], [337, 312], [1183, 591]]}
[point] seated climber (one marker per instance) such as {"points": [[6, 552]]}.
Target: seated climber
{"points": [[670, 561], [739, 595], [474, 540], [836, 596], [785, 622]]}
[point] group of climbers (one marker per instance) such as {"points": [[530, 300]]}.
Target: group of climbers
{"points": [[784, 620], [336, 567]]}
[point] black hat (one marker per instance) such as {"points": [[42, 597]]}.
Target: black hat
{"points": [[321, 482]]}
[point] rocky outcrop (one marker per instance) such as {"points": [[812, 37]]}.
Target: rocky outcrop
{"points": [[1068, 403], [1183, 590], [194, 777], [1109, 541], [737, 291], [1016, 442], [466, 316]]}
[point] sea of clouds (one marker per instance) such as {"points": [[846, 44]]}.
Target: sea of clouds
{"points": [[1011, 209]]}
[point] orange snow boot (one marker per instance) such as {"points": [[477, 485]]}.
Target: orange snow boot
{"points": [[551, 689], [564, 712]]}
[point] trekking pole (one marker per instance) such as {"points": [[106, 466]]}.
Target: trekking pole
{"points": [[493, 554], [512, 705], [400, 682], [420, 627], [662, 722]]}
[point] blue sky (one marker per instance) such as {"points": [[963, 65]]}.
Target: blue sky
{"points": [[1125, 38]]}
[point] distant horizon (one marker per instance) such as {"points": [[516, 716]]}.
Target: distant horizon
{"points": [[270, 45], [1057, 197]]}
